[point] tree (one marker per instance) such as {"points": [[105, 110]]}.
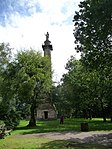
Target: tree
{"points": [[5, 55], [28, 79], [60, 100], [5, 58], [76, 87], [93, 32], [86, 91], [93, 38]]}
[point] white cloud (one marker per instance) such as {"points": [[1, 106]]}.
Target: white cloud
{"points": [[56, 18]]}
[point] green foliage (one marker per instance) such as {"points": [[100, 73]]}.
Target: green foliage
{"points": [[33, 75], [17, 141], [5, 56], [27, 80], [1, 122], [72, 84], [86, 91], [93, 33], [58, 98], [93, 38], [70, 124], [12, 119], [93, 25], [7, 112]]}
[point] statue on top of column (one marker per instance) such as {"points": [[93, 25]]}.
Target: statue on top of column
{"points": [[47, 43], [47, 36]]}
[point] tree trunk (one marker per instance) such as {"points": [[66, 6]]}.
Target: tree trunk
{"points": [[85, 114], [90, 113], [32, 122], [103, 111], [110, 105]]}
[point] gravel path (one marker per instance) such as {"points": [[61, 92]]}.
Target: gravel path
{"points": [[97, 137]]}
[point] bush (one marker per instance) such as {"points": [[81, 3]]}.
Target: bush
{"points": [[12, 119], [1, 122]]}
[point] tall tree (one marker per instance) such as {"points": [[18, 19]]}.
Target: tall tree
{"points": [[86, 91], [93, 38], [76, 87], [5, 57], [93, 32], [28, 79], [59, 98]]}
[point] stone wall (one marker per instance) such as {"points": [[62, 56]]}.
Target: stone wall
{"points": [[46, 111]]}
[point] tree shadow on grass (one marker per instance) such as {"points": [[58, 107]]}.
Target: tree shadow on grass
{"points": [[100, 125], [101, 139], [51, 126], [69, 125], [37, 129], [45, 128], [70, 145]]}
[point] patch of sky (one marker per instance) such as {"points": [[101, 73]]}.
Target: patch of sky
{"points": [[64, 9], [56, 24], [69, 20], [23, 8], [2, 21]]}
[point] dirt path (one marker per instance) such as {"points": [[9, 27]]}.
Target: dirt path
{"points": [[104, 138]]}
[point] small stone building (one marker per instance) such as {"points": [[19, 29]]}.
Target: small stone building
{"points": [[47, 110]]}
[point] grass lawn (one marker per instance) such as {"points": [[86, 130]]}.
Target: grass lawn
{"points": [[12, 142]]}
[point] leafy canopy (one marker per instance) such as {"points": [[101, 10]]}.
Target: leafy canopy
{"points": [[93, 32]]}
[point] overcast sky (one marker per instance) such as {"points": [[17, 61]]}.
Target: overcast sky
{"points": [[24, 23]]}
